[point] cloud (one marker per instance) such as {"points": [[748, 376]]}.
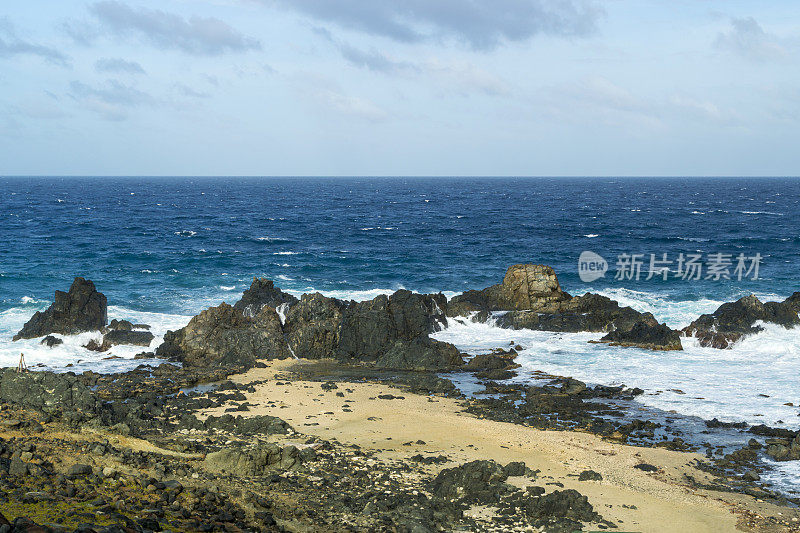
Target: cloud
{"points": [[112, 102], [481, 24], [185, 90], [748, 39], [329, 96], [114, 64], [12, 45], [195, 35], [462, 77]]}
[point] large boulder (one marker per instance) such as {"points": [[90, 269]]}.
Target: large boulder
{"points": [[645, 335], [224, 336], [257, 460], [312, 326], [420, 354], [370, 328], [79, 310], [262, 293], [524, 287], [733, 320]]}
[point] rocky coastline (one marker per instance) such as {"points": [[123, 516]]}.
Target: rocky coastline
{"points": [[208, 442]]}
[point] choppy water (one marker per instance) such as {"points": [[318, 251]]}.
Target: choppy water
{"points": [[162, 249]]}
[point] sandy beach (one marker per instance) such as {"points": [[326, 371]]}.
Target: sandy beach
{"points": [[409, 424]]}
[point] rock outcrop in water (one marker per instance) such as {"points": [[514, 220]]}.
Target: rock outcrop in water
{"points": [[81, 309], [262, 293], [733, 320], [388, 332], [224, 336], [645, 335], [531, 298], [524, 287]]}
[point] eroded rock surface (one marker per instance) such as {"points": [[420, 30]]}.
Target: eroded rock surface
{"points": [[80, 309], [733, 320]]}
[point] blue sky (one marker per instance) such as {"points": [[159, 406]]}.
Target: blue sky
{"points": [[403, 87]]}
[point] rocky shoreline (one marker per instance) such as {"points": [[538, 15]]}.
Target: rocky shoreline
{"points": [[204, 443]]}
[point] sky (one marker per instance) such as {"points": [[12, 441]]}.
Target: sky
{"points": [[400, 87]]}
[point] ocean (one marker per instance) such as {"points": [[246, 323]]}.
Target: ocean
{"points": [[163, 249]]}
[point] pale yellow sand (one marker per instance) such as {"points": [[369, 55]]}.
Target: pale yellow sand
{"points": [[663, 503]]}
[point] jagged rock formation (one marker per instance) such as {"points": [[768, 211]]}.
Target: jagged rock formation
{"points": [[733, 320], [262, 292], [81, 309], [388, 331], [532, 298], [224, 336]]}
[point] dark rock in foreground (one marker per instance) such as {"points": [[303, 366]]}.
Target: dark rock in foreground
{"points": [[79, 310], [733, 320]]}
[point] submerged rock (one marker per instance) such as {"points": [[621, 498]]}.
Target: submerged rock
{"points": [[131, 337], [81, 309], [733, 320], [645, 335], [262, 293], [51, 341]]}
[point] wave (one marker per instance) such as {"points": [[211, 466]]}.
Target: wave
{"points": [[751, 382], [277, 240], [71, 355]]}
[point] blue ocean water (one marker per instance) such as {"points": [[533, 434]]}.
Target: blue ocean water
{"points": [[176, 245], [162, 249]]}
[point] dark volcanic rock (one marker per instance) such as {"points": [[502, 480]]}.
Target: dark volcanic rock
{"points": [[562, 505], [312, 326], [254, 461], [784, 449], [422, 353], [370, 328], [590, 312], [733, 320], [645, 335], [51, 341], [123, 336], [262, 293], [492, 361], [81, 309], [533, 299], [478, 482], [54, 394], [224, 336]]}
